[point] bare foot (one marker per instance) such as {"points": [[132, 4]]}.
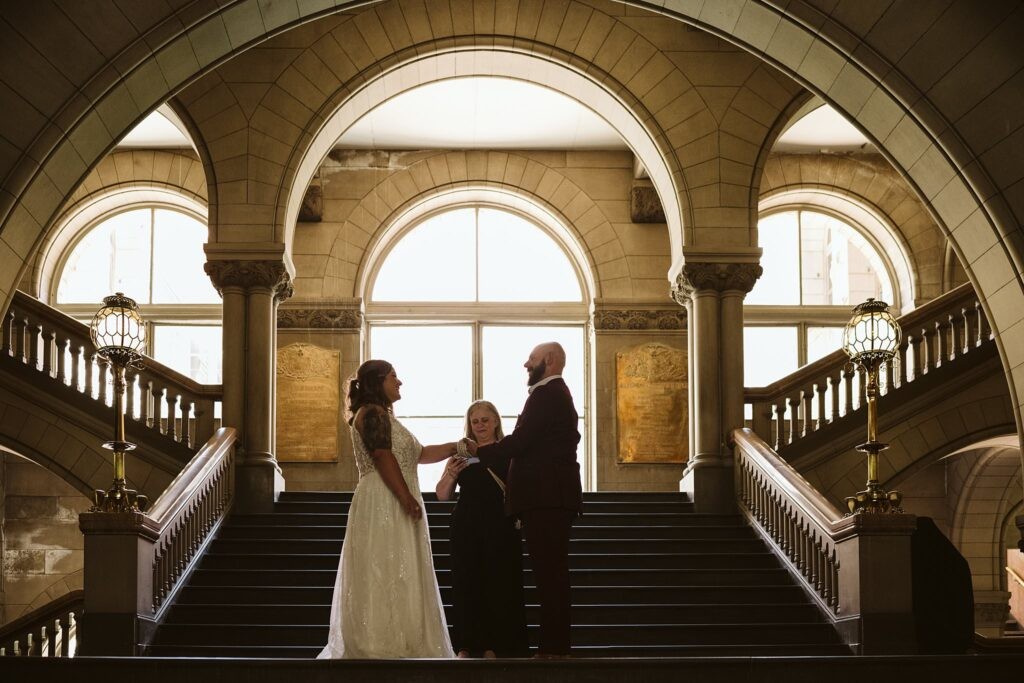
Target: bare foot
{"points": [[489, 654], [463, 654]]}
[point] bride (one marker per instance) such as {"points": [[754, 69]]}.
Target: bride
{"points": [[386, 600]]}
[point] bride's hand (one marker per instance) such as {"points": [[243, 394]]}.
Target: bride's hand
{"points": [[412, 508]]}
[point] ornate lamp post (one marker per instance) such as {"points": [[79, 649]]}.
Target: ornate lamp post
{"points": [[870, 339], [119, 334]]}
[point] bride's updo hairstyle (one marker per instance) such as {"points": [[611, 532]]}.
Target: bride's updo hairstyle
{"points": [[366, 387]]}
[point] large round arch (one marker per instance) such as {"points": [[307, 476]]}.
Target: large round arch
{"points": [[61, 134]]}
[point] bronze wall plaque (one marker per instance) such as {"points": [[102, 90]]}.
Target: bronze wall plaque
{"points": [[308, 403], [651, 404]]}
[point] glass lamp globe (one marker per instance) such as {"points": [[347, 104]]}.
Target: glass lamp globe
{"points": [[117, 329], [872, 335]]}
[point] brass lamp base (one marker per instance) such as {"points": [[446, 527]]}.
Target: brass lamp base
{"points": [[119, 498], [874, 498]]}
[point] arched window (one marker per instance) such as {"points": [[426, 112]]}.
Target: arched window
{"points": [[457, 301], [817, 266], [153, 254]]}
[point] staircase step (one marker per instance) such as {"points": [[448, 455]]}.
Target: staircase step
{"points": [[580, 595], [617, 546], [238, 651], [443, 519], [429, 496], [613, 506], [582, 634], [581, 614], [764, 560], [337, 532], [577, 577]]}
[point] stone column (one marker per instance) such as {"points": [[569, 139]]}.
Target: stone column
{"points": [[251, 290], [712, 287]]}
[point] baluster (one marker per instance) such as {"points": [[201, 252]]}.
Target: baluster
{"points": [[848, 372], [965, 313], [826, 589], [887, 376], [902, 354], [172, 415], [104, 379], [833, 389], [927, 351], [76, 366], [61, 351], [791, 411], [19, 327], [805, 411], [941, 344], [8, 348], [915, 355], [780, 425], [834, 573], [820, 392], [761, 420], [49, 337], [32, 331], [90, 369], [862, 385], [129, 388], [44, 643], [186, 422], [156, 393], [984, 332], [145, 401], [955, 348]]}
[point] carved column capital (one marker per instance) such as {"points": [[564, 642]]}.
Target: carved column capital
{"points": [[718, 277], [250, 274], [640, 319]]}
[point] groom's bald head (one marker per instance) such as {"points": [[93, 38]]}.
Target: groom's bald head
{"points": [[545, 360]]}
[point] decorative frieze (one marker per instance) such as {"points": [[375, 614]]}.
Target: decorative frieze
{"points": [[719, 277], [344, 316], [640, 319]]}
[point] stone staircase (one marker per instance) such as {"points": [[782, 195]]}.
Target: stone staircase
{"points": [[650, 578]]}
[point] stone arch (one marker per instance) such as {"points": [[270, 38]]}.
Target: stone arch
{"points": [[873, 223], [930, 121], [989, 494], [517, 174], [150, 176], [869, 181]]}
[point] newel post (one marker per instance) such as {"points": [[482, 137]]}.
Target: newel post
{"points": [[876, 608], [118, 583]]}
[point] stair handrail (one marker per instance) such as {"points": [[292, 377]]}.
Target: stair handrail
{"points": [[816, 542], [49, 631], [941, 331], [167, 542], [59, 347]]}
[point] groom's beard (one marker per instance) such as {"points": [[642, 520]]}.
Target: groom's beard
{"points": [[537, 372]]}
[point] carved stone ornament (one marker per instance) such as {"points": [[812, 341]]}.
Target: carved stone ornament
{"points": [[644, 204], [321, 318], [720, 277], [247, 274], [665, 319]]}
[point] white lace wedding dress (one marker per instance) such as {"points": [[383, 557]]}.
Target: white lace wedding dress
{"points": [[386, 601]]}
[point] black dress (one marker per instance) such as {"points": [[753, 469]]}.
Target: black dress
{"points": [[487, 570]]}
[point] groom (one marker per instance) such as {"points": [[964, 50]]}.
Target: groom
{"points": [[544, 488]]}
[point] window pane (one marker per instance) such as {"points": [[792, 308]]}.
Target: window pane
{"points": [[112, 257], [778, 236], [821, 341], [434, 363], [769, 354], [840, 267], [192, 350], [429, 431], [519, 262], [178, 258], [504, 351], [435, 261]]}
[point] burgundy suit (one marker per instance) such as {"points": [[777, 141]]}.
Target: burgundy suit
{"points": [[544, 491]]}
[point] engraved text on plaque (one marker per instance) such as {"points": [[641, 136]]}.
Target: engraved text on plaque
{"points": [[651, 408], [308, 403]]}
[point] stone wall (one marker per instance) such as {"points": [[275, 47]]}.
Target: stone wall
{"points": [[42, 546]]}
